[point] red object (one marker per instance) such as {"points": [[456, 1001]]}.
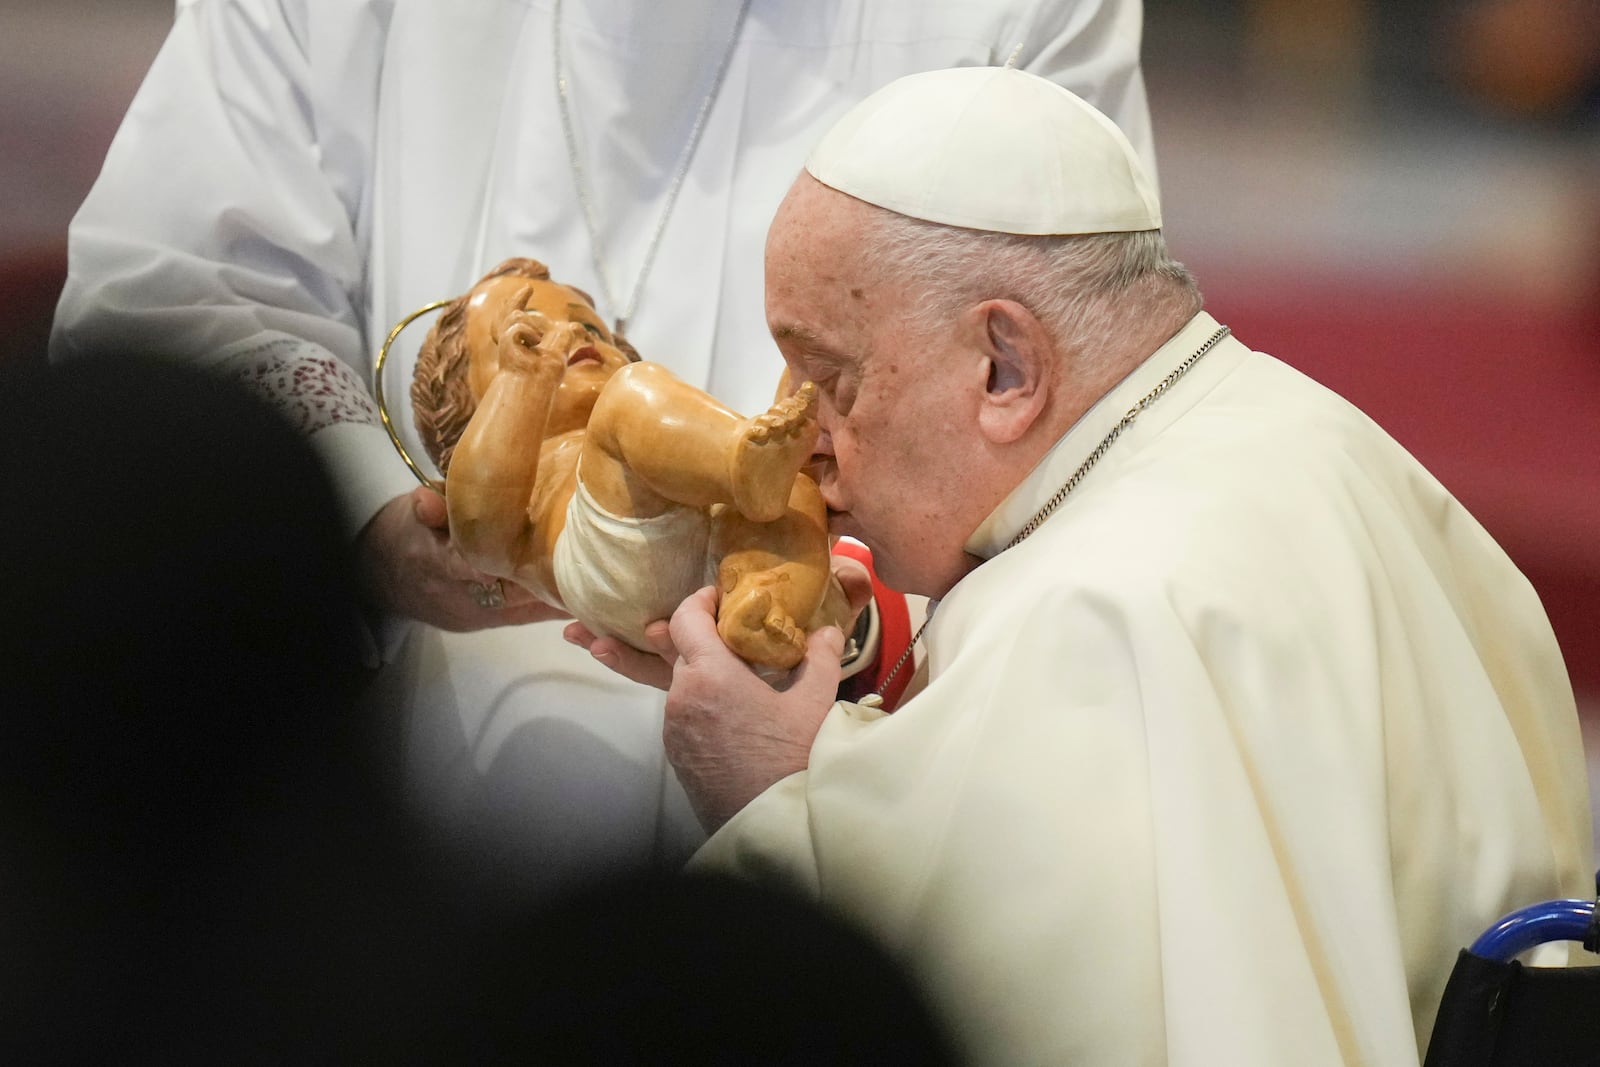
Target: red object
{"points": [[894, 636], [30, 284]]}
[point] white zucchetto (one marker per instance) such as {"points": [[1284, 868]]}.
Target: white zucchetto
{"points": [[988, 148]]}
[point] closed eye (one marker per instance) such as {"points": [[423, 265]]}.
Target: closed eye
{"points": [[825, 383], [840, 388]]}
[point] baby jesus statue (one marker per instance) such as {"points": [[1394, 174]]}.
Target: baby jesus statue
{"points": [[608, 487]]}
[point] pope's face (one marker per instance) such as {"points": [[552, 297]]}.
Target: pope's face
{"points": [[592, 355], [897, 414]]}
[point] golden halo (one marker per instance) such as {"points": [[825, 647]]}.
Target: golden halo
{"points": [[377, 387]]}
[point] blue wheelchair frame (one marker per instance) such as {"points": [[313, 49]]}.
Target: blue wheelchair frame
{"points": [[1496, 1012], [1538, 924]]}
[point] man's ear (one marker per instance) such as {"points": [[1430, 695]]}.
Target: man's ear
{"points": [[1021, 360]]}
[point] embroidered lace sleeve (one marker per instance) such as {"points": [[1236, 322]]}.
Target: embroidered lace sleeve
{"points": [[310, 387]]}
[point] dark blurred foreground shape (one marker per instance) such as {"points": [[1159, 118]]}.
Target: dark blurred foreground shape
{"points": [[184, 794], [702, 971], [198, 857]]}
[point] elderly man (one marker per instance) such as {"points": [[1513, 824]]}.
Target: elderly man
{"points": [[1237, 726]]}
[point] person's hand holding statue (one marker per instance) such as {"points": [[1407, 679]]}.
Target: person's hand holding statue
{"points": [[408, 568], [728, 733]]}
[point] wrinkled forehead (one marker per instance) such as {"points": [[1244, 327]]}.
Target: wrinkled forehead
{"points": [[816, 241], [812, 213], [824, 296]]}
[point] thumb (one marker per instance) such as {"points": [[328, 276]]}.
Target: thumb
{"points": [[693, 627], [818, 674], [429, 508]]}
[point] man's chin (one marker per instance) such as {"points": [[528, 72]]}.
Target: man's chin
{"points": [[843, 524]]}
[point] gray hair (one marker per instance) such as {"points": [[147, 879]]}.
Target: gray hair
{"points": [[1082, 287]]}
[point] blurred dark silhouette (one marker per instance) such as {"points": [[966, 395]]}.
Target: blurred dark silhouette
{"points": [[185, 795], [198, 857], [691, 970]]}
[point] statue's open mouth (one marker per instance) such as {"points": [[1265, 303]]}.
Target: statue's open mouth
{"points": [[586, 353]]}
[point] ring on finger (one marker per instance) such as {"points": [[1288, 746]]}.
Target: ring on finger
{"points": [[490, 596]]}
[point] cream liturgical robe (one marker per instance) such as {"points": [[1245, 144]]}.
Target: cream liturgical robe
{"points": [[297, 175], [1222, 765]]}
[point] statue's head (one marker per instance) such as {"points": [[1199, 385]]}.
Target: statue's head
{"points": [[461, 354]]}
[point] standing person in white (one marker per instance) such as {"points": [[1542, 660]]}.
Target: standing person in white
{"points": [[294, 177], [1237, 728]]}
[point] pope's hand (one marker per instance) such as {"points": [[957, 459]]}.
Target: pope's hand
{"points": [[654, 667], [408, 568], [729, 734]]}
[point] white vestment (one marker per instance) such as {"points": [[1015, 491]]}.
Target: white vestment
{"points": [[1222, 765], [295, 176]]}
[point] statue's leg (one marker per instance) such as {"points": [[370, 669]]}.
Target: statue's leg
{"points": [[770, 450], [654, 439], [773, 576]]}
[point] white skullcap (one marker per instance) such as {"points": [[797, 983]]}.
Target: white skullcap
{"points": [[988, 148]]}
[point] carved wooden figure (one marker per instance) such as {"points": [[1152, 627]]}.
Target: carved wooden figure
{"points": [[610, 488]]}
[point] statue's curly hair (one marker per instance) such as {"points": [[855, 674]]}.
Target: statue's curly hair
{"points": [[441, 392]]}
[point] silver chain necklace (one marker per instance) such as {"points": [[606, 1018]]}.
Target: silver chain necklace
{"points": [[875, 698], [624, 310]]}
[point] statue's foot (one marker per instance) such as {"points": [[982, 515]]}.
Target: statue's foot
{"points": [[771, 449], [758, 630]]}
